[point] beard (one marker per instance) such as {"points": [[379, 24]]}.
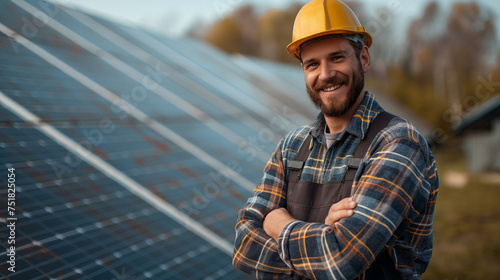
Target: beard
{"points": [[337, 109]]}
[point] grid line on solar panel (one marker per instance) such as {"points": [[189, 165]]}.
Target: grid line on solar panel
{"points": [[73, 202], [7, 118], [220, 273], [280, 81], [78, 88], [73, 178], [84, 230], [187, 81], [237, 83], [164, 128], [216, 206], [130, 184], [189, 164], [43, 256], [124, 153], [147, 42], [58, 236], [40, 244], [78, 230], [137, 76]]}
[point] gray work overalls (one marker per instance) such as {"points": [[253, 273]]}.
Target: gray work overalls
{"points": [[310, 202]]}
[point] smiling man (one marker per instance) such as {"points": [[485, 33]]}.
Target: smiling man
{"points": [[351, 195]]}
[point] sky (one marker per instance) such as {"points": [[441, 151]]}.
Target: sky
{"points": [[174, 17]]}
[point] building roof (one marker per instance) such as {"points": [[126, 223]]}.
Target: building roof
{"points": [[480, 117]]}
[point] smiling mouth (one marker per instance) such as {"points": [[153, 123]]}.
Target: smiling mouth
{"points": [[332, 88]]}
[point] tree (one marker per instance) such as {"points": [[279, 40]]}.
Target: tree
{"points": [[234, 33], [446, 53], [275, 33]]}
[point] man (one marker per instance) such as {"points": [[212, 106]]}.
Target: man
{"points": [[351, 195]]}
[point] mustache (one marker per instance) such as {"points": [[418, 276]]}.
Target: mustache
{"points": [[334, 80]]}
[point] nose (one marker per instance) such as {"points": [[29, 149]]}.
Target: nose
{"points": [[327, 70]]}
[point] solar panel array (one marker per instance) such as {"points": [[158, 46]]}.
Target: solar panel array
{"points": [[132, 152]]}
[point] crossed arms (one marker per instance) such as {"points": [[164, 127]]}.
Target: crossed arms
{"points": [[392, 193]]}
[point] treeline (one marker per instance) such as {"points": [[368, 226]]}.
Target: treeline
{"points": [[247, 32], [446, 64]]}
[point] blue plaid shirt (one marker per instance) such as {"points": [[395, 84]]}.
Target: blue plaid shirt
{"points": [[395, 187]]}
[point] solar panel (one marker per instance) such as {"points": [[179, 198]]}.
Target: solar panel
{"points": [[86, 218], [132, 152]]}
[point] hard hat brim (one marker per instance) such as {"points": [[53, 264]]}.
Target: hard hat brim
{"points": [[293, 48]]}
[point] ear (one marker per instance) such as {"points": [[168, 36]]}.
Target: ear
{"points": [[364, 58]]}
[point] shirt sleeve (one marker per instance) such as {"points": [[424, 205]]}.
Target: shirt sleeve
{"points": [[391, 191], [254, 251]]}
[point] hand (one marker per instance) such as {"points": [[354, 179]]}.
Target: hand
{"points": [[339, 210], [275, 222]]}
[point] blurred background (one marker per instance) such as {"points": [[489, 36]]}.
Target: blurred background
{"points": [[137, 129]]}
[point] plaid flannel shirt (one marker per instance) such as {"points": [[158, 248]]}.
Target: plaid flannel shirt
{"points": [[395, 189]]}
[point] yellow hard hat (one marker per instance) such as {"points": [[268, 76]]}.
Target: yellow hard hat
{"points": [[324, 17]]}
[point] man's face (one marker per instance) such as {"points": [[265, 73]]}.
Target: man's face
{"points": [[334, 75]]}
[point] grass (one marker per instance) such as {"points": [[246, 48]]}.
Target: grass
{"points": [[466, 224]]}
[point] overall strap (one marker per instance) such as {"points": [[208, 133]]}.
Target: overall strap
{"points": [[294, 168], [379, 123]]}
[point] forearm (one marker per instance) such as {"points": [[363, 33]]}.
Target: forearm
{"points": [[255, 252], [276, 220], [319, 251], [293, 236]]}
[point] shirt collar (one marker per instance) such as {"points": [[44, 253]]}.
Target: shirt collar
{"points": [[364, 115]]}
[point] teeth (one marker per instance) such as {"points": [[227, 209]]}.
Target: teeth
{"points": [[331, 88]]}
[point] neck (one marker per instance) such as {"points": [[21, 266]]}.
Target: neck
{"points": [[338, 124]]}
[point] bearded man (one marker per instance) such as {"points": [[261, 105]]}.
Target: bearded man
{"points": [[351, 195]]}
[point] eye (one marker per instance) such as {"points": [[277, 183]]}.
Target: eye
{"points": [[335, 58], [311, 64]]}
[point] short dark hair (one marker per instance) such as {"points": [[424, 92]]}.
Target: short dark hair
{"points": [[358, 47]]}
